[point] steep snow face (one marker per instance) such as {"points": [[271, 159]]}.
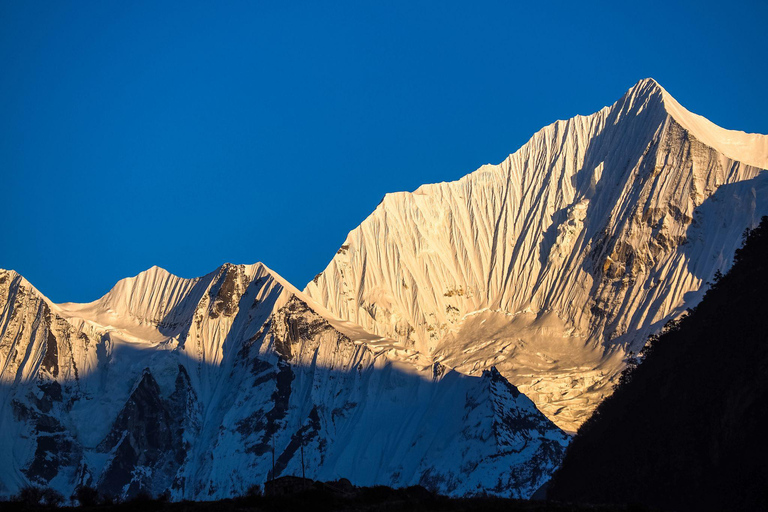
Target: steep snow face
{"points": [[188, 385], [556, 263]]}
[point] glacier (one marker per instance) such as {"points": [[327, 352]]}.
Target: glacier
{"points": [[557, 264]]}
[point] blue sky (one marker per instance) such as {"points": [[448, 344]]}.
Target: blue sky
{"points": [[186, 134]]}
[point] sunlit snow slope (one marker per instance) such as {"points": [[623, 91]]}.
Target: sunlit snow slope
{"points": [[556, 263], [186, 385]]}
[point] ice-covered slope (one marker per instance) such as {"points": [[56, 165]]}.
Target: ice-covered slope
{"points": [[186, 385], [556, 263]]}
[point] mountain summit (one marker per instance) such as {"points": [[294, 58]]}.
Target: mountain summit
{"points": [[558, 263], [749, 148]]}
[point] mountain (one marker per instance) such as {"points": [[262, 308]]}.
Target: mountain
{"points": [[411, 358], [188, 385], [557, 264], [686, 428]]}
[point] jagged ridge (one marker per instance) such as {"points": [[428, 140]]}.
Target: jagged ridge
{"points": [[186, 385]]}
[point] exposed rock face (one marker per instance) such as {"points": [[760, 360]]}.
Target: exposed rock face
{"points": [[566, 256], [145, 443], [194, 400]]}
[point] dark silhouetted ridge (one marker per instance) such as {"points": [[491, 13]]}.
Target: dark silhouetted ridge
{"points": [[685, 430]]}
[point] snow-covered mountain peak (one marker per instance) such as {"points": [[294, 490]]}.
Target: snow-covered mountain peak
{"points": [[749, 148], [7, 275], [559, 261], [649, 83], [11, 282], [260, 270], [146, 299], [655, 103], [647, 93], [8, 272]]}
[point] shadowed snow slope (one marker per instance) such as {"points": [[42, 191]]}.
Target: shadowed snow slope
{"points": [[186, 385], [556, 263]]}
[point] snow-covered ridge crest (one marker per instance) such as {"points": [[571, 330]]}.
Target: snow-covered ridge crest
{"points": [[592, 235], [749, 148], [156, 299], [192, 402], [146, 299], [11, 276]]}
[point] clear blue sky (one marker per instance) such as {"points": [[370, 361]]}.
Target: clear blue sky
{"points": [[186, 134]]}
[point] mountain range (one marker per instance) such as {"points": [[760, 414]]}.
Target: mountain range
{"points": [[205, 387], [456, 336]]}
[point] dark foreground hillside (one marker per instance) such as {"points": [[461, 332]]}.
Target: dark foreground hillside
{"points": [[686, 430]]}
